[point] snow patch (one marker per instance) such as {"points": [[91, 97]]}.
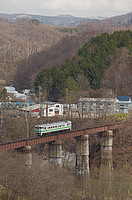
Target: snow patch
{"points": [[12, 90]]}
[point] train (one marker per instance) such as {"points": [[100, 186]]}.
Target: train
{"points": [[54, 127]]}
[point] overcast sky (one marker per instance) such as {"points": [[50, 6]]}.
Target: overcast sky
{"points": [[79, 8]]}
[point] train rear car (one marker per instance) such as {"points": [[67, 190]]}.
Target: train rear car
{"points": [[54, 127]]}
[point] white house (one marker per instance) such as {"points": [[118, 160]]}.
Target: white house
{"points": [[50, 109], [96, 106], [124, 104]]}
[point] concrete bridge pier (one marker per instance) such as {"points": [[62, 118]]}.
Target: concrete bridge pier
{"points": [[55, 152], [106, 161], [82, 155], [28, 155]]}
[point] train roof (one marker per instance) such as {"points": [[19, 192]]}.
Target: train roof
{"points": [[54, 123]]}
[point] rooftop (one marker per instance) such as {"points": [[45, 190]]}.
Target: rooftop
{"points": [[49, 103], [124, 98]]}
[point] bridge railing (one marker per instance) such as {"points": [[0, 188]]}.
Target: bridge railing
{"points": [[61, 136]]}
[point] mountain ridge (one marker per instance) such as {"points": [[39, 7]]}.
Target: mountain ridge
{"points": [[59, 20], [67, 19]]}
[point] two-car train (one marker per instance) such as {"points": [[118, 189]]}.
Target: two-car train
{"points": [[54, 127]]}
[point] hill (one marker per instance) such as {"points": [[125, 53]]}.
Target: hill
{"points": [[68, 20], [57, 54], [20, 39], [27, 46], [121, 19], [87, 68], [60, 20], [68, 48]]}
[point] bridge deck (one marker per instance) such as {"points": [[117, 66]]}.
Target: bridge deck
{"points": [[58, 136]]}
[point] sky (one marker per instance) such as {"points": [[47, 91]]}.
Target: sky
{"points": [[77, 8]]}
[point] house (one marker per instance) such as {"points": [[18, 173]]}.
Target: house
{"points": [[45, 109], [32, 111], [70, 108], [124, 104], [96, 106], [50, 109]]}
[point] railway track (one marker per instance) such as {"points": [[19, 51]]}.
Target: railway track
{"points": [[61, 136]]}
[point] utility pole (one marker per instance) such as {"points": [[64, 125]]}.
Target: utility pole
{"points": [[39, 94], [66, 96], [1, 118], [69, 105], [40, 100], [47, 113], [27, 122]]}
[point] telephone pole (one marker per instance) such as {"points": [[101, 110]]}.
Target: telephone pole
{"points": [[39, 94]]}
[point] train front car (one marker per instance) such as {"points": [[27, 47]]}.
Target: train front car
{"points": [[69, 125], [38, 130], [54, 127]]}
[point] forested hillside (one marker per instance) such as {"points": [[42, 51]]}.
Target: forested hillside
{"points": [[20, 39], [28, 46], [121, 19], [87, 68], [57, 54]]}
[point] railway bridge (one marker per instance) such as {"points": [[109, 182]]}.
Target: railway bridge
{"points": [[106, 133]]}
